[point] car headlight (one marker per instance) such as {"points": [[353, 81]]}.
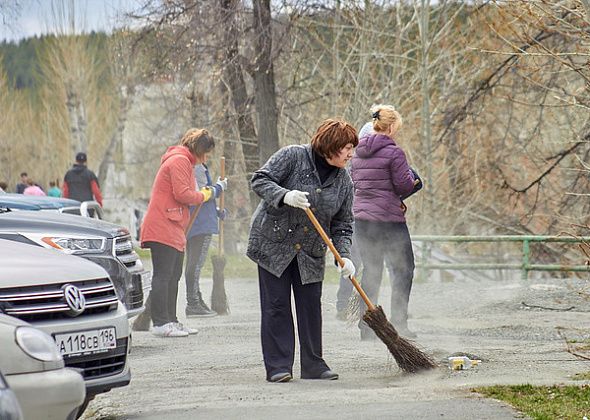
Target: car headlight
{"points": [[76, 245], [37, 344]]}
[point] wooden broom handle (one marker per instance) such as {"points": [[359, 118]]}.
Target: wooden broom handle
{"points": [[221, 205], [328, 242], [191, 221]]}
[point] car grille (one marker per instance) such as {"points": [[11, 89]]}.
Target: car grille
{"points": [[123, 249], [47, 302], [135, 298], [99, 365]]}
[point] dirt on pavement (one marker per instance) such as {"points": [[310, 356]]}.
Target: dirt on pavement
{"points": [[512, 325]]}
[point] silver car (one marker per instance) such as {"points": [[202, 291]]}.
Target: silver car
{"points": [[35, 371], [9, 406], [74, 301]]}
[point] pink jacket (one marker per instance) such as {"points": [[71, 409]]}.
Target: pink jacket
{"points": [[173, 191], [33, 190]]}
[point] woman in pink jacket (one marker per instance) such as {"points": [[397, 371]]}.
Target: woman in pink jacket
{"points": [[167, 216]]}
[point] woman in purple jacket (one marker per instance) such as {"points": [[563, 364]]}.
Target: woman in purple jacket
{"points": [[381, 176]]}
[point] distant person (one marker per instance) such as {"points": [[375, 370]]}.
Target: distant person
{"points": [[54, 190], [80, 183], [33, 189], [199, 237], [167, 216], [3, 186], [382, 178], [20, 187]]}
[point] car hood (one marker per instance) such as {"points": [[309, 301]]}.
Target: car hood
{"points": [[28, 265], [25, 221], [42, 202]]}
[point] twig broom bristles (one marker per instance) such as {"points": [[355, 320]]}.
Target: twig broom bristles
{"points": [[407, 356]]}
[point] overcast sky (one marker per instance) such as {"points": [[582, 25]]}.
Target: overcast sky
{"points": [[43, 16]]}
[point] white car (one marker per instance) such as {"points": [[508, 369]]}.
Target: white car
{"points": [[9, 406], [74, 301], [34, 369]]}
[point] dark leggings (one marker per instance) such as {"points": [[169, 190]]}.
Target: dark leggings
{"points": [[197, 248], [379, 241], [167, 269]]}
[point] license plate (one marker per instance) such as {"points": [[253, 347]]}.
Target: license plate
{"points": [[90, 341]]}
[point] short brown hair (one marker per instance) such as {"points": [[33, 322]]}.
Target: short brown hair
{"points": [[198, 141], [332, 136]]}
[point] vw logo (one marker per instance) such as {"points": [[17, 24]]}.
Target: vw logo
{"points": [[74, 298]]}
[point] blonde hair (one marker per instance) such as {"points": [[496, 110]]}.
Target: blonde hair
{"points": [[384, 116], [198, 141]]}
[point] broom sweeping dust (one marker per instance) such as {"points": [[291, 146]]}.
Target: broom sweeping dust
{"points": [[407, 356], [218, 297]]}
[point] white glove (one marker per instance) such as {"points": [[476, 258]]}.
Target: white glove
{"points": [[222, 183], [348, 269], [298, 199]]}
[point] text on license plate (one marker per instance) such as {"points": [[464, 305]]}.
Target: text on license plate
{"points": [[86, 341]]}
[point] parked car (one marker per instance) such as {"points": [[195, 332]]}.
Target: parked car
{"points": [[74, 301], [9, 406], [34, 369], [101, 242], [56, 204]]}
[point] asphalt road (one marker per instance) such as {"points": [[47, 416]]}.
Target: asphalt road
{"points": [[219, 373]]}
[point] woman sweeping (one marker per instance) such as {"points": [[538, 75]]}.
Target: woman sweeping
{"points": [[163, 227], [291, 254], [381, 177]]}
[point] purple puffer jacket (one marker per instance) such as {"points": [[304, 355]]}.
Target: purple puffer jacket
{"points": [[381, 174]]}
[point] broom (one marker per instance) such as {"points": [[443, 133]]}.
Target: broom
{"points": [[218, 297], [408, 357]]}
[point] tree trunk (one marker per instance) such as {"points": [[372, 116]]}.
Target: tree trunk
{"points": [[233, 76], [78, 123], [117, 137], [264, 82]]}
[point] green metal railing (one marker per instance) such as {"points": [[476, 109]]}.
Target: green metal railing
{"points": [[525, 265]]}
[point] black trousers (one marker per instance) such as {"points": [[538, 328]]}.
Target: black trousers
{"points": [[167, 269], [379, 241], [277, 330]]}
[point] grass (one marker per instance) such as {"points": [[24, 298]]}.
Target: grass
{"points": [[582, 376], [240, 266], [544, 402]]}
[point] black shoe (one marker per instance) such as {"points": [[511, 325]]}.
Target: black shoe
{"points": [[406, 333], [368, 335], [280, 377], [328, 376], [199, 309]]}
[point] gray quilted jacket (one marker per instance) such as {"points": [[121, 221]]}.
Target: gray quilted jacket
{"points": [[279, 232]]}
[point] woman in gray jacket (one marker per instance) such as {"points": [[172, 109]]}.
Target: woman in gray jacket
{"points": [[290, 253]]}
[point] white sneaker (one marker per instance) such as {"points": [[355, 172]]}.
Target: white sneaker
{"points": [[168, 330], [189, 330]]}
